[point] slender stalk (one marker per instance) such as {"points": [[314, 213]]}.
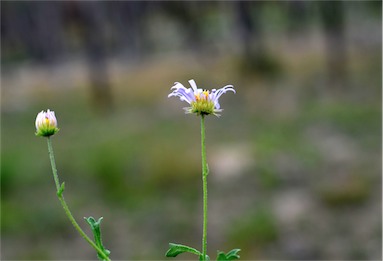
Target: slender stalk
{"points": [[204, 188], [65, 206], [53, 163]]}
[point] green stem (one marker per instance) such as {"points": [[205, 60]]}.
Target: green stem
{"points": [[53, 164], [65, 206], [204, 188]]}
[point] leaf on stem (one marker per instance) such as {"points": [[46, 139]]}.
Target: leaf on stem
{"points": [[231, 255], [95, 226], [61, 190], [176, 249]]}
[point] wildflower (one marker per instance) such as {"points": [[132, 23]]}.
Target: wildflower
{"points": [[46, 123], [203, 102]]}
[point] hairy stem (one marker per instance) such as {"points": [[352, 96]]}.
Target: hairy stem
{"points": [[204, 188], [65, 206]]}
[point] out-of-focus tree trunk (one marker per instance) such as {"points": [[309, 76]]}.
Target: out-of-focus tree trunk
{"points": [[297, 16], [128, 18], [254, 51], [90, 18], [250, 29], [332, 14], [47, 21], [188, 15], [34, 27]]}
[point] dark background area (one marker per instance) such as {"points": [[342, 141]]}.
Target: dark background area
{"points": [[295, 158]]}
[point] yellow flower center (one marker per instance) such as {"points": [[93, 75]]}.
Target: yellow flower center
{"points": [[202, 104], [205, 95]]}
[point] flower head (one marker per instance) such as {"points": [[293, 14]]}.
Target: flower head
{"points": [[46, 123], [202, 102]]}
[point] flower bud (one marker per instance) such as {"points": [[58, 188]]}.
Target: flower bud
{"points": [[46, 123]]}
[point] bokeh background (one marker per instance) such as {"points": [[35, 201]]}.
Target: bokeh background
{"points": [[295, 159]]}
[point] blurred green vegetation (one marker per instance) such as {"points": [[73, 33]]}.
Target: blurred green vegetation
{"points": [[254, 230]]}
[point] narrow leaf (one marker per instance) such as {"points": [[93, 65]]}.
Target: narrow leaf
{"points": [[231, 255], [95, 226], [176, 249], [61, 190], [221, 256]]}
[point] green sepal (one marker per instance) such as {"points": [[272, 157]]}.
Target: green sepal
{"points": [[231, 255], [61, 190], [95, 226], [46, 132], [176, 249]]}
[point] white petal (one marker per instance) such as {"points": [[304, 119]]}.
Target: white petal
{"points": [[193, 85], [177, 85]]}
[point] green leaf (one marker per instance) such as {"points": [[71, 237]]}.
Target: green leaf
{"points": [[176, 249], [95, 226], [221, 256], [231, 255], [61, 190]]}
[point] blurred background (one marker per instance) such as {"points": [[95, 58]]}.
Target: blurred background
{"points": [[295, 159]]}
